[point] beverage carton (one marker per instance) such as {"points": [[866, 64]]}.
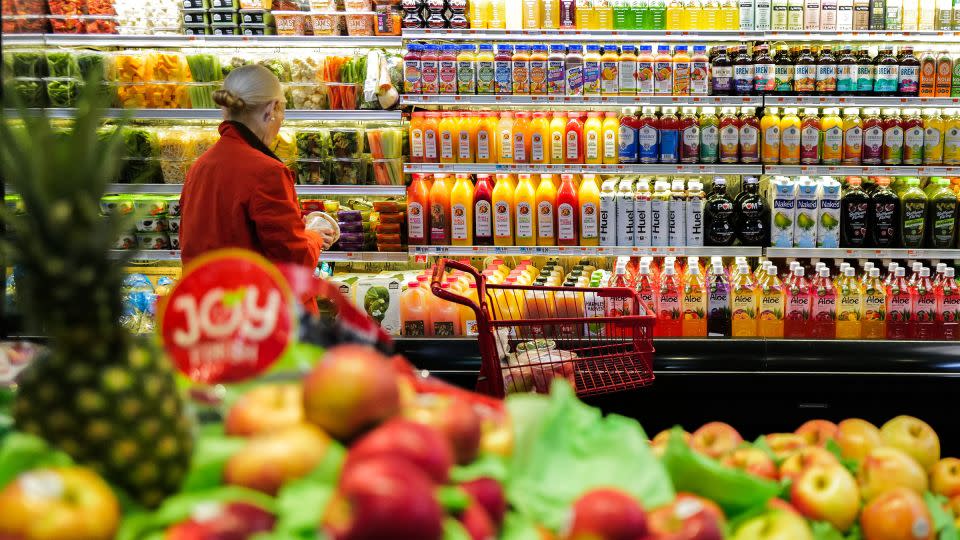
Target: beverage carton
{"points": [[783, 212], [641, 211], [828, 227], [807, 212], [625, 213], [608, 212]]}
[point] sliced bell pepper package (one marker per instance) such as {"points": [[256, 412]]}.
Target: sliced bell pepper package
{"points": [[100, 7], [99, 24], [66, 24], [66, 7]]}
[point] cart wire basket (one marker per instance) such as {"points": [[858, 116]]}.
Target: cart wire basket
{"points": [[599, 339]]}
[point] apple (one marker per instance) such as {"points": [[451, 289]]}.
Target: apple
{"points": [[58, 503], [780, 504], [384, 497], [265, 408], [477, 522], [688, 517], [659, 442], [954, 506], [817, 432], [856, 438], [215, 521], [945, 477], [753, 461], [417, 444], [886, 468], [827, 493], [898, 514], [774, 525], [456, 419], [715, 439], [784, 444], [606, 514], [351, 390], [496, 435], [915, 437], [272, 459], [489, 493], [805, 458]]}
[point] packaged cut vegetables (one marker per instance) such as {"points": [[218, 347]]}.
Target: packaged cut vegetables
{"points": [[66, 7], [100, 7], [204, 67], [31, 92], [346, 142], [94, 65], [385, 142], [62, 91], [313, 144], [26, 63], [62, 64]]}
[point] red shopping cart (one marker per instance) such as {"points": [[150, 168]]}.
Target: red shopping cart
{"points": [[600, 339]]}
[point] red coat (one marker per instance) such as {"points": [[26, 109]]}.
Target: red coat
{"points": [[240, 195]]}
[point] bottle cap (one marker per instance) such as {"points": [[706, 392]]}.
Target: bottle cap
{"points": [[900, 272], [824, 272], [924, 272], [799, 271], [874, 272], [558, 48]]}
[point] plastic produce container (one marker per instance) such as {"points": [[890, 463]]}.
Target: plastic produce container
{"points": [[225, 30], [292, 23], [343, 96], [310, 96], [360, 23], [385, 142], [388, 172], [348, 171], [313, 171], [196, 16], [31, 91], [174, 171], [62, 92], [256, 16], [224, 17], [99, 24], [32, 24], [65, 24], [100, 7], [95, 64], [328, 23], [347, 142], [313, 144], [225, 4], [389, 20], [197, 30], [62, 64], [153, 241], [258, 30], [28, 7], [66, 7], [196, 4], [26, 63], [133, 66]]}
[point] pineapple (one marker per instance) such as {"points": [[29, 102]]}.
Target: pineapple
{"points": [[103, 396]]}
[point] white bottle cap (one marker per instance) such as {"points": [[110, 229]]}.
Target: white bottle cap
{"points": [[924, 272], [677, 184], [917, 266], [874, 272], [849, 272], [824, 272], [900, 272], [949, 272], [798, 271], [794, 265], [941, 268], [669, 271], [772, 270]]}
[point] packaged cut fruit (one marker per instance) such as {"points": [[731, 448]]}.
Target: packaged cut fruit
{"points": [[66, 7], [28, 7], [171, 67], [388, 228], [65, 24], [135, 66]]}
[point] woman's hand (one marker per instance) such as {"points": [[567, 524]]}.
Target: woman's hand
{"points": [[328, 238], [325, 226]]}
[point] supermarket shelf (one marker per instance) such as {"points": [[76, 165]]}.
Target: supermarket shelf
{"points": [[331, 190], [865, 253], [583, 251], [861, 101], [150, 255], [106, 40], [864, 36], [215, 114], [364, 256], [153, 189], [579, 35], [483, 168], [591, 101], [864, 170]]}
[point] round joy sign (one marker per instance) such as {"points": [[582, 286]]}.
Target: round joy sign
{"points": [[229, 318]]}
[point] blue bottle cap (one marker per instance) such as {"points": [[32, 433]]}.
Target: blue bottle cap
{"points": [[609, 47], [574, 48], [486, 46], [540, 48], [505, 48], [449, 47], [626, 47], [699, 48], [679, 48], [646, 48], [663, 48], [466, 47], [558, 48], [523, 48], [593, 48]]}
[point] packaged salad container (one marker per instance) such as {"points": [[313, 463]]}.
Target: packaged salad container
{"points": [[196, 16], [225, 4], [196, 4], [258, 30], [313, 144], [62, 92], [346, 142], [26, 63], [225, 29], [31, 91], [62, 64], [348, 171], [116, 203], [388, 172], [256, 16], [95, 64], [328, 23], [312, 171], [174, 170], [153, 241], [224, 17], [149, 206], [360, 23]]}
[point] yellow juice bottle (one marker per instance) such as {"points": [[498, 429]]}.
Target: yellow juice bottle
{"points": [[467, 126], [770, 133], [593, 138], [505, 138], [874, 315], [461, 211], [610, 137], [604, 14], [849, 306], [675, 15], [503, 210], [449, 132], [832, 127], [525, 216], [694, 304], [729, 15], [933, 130], [743, 304], [546, 211], [487, 137], [772, 300], [539, 138], [790, 137], [589, 200], [558, 127], [468, 317], [951, 137], [690, 18], [532, 17]]}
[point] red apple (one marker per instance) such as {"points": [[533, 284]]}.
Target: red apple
{"points": [[785, 444], [886, 468], [945, 477], [420, 445], [780, 504], [898, 514], [606, 514], [856, 438], [715, 439], [352, 389], [215, 521], [817, 432], [687, 518], [753, 461], [271, 459], [60, 503], [774, 525], [265, 408], [659, 442], [915, 437], [805, 458], [456, 419], [384, 497], [827, 493], [477, 522], [489, 493], [954, 506]]}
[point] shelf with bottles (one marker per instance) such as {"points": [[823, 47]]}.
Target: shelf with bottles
{"points": [[577, 35], [636, 169], [864, 36], [859, 170], [579, 101], [327, 190], [584, 251], [859, 101], [864, 253]]}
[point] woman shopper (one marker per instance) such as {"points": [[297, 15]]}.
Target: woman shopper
{"points": [[239, 194]]}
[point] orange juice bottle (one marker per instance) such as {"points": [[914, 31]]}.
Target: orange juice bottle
{"points": [[772, 300], [461, 211], [487, 137], [589, 210], [525, 216], [610, 138], [694, 320], [440, 211], [539, 139], [448, 129], [770, 132], [415, 310], [743, 304], [610, 71], [415, 136], [558, 127], [503, 210], [468, 317], [418, 217], [593, 138], [505, 138], [521, 137], [431, 137], [444, 316], [467, 126], [567, 219], [546, 211]]}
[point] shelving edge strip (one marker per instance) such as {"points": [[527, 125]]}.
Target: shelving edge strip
{"points": [[580, 169], [583, 251], [859, 170], [863, 253], [216, 114], [578, 101], [860, 36], [116, 40]]}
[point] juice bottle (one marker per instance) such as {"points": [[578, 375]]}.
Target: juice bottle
{"points": [[503, 210], [487, 137], [532, 15], [525, 216], [913, 210], [770, 317], [928, 75], [948, 306], [872, 137], [854, 215], [557, 69], [430, 69], [479, 15], [709, 135], [444, 316], [449, 132], [669, 128], [887, 74], [483, 211], [546, 212], [589, 211], [415, 135], [847, 70], [810, 133], [826, 72], [743, 304], [908, 76], [852, 137], [681, 71], [718, 301], [790, 137], [884, 216], [689, 136], [468, 125], [764, 71], [699, 71], [648, 136], [415, 310], [710, 17], [778, 15], [503, 70], [447, 69], [923, 312], [729, 126], [468, 317], [593, 138], [568, 14], [645, 65], [624, 18], [498, 14], [805, 72], [431, 137], [676, 214], [461, 211], [721, 73], [574, 70], [743, 73], [609, 137], [866, 73], [942, 215], [505, 138], [770, 130], [567, 218], [627, 71], [663, 71], [418, 220], [647, 289], [784, 71], [610, 71], [573, 139], [586, 15], [912, 137], [591, 71], [539, 139], [669, 305], [824, 300], [799, 306], [558, 127], [719, 216], [892, 152], [411, 69], [537, 72], [849, 306], [657, 16], [933, 130], [832, 125], [874, 319], [692, 11], [945, 69], [521, 137], [520, 75], [486, 69], [694, 322], [951, 137], [898, 306], [440, 211]]}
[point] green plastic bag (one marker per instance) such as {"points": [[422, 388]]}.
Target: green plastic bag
{"points": [[564, 448]]}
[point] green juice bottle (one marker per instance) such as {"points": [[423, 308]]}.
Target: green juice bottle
{"points": [[942, 215], [656, 18], [913, 212]]}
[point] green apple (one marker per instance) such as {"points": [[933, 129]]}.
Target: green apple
{"points": [[915, 437], [774, 525], [827, 493]]}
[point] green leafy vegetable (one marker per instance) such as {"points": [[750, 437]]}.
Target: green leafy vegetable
{"points": [[205, 67], [20, 453], [314, 144], [347, 142], [92, 66], [63, 92], [62, 64], [27, 64], [31, 92]]}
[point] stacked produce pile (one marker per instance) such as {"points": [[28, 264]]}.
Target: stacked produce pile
{"points": [[363, 449]]}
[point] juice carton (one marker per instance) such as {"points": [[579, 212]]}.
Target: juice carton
{"points": [[807, 212], [828, 228], [784, 206]]}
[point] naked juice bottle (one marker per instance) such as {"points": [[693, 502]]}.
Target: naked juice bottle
{"points": [[558, 127], [461, 211], [525, 217], [567, 218], [503, 210], [546, 211], [483, 211]]}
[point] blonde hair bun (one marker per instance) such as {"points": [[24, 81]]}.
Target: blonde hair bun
{"points": [[229, 101], [247, 87]]}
